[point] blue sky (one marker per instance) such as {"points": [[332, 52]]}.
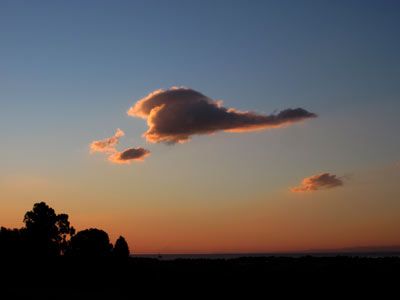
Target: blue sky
{"points": [[69, 70]]}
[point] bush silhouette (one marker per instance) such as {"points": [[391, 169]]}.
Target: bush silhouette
{"points": [[12, 242], [90, 243], [121, 249]]}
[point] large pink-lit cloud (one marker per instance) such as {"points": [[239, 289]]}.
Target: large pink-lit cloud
{"points": [[107, 145], [174, 115], [129, 155], [318, 182]]}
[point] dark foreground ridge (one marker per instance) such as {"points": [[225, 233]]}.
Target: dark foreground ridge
{"points": [[113, 278], [46, 259]]}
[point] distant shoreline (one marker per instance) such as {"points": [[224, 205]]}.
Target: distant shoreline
{"points": [[369, 254]]}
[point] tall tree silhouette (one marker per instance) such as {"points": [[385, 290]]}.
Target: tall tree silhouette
{"points": [[121, 248], [46, 232]]}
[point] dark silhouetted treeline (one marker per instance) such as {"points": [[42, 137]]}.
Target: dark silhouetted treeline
{"points": [[46, 259], [48, 235]]}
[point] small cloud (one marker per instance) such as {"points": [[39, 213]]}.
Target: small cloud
{"points": [[129, 155], [107, 145], [318, 182], [174, 115]]}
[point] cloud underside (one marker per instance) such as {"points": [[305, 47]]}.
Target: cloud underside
{"points": [[129, 155], [318, 182], [174, 115]]}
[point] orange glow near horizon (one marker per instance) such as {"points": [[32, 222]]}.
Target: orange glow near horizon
{"points": [[281, 222]]}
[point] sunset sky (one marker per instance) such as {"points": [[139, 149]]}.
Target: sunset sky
{"points": [[303, 152]]}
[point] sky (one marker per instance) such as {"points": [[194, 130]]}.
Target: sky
{"points": [[71, 71]]}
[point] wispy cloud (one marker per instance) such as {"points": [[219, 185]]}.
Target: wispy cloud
{"points": [[318, 182], [107, 145], [174, 115]]}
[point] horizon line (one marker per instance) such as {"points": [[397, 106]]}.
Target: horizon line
{"points": [[356, 249]]}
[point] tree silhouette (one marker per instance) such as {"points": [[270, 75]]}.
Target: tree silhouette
{"points": [[65, 230], [121, 248], [47, 233], [90, 243]]}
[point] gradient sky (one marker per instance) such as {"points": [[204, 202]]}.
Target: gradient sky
{"points": [[70, 70]]}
